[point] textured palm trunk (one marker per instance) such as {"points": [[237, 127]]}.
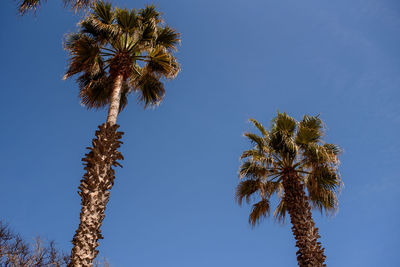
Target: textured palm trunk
{"points": [[96, 184], [310, 253]]}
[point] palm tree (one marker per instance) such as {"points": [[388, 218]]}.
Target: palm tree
{"points": [[116, 52], [27, 5], [292, 162]]}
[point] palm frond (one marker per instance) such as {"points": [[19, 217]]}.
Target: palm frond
{"points": [[151, 89], [312, 122], [255, 155], [148, 33], [280, 211], [162, 63], [127, 20], [260, 127], [84, 55], [246, 189], [168, 38], [315, 155], [324, 200], [255, 139], [98, 31], [103, 12], [95, 91], [284, 124], [310, 130], [149, 14], [79, 4], [283, 145], [323, 184], [270, 188], [253, 170], [260, 211], [323, 176], [28, 5], [333, 149]]}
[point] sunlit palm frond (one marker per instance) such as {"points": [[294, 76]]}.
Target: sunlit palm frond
{"points": [[256, 155], [253, 170], [78, 4], [99, 31], [315, 155], [123, 43], [127, 20], [312, 122], [256, 140], [28, 5], [333, 149], [284, 124], [259, 211], [162, 63], [260, 127], [309, 130]]}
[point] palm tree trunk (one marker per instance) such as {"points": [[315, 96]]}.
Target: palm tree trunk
{"points": [[96, 184], [310, 253], [115, 101]]}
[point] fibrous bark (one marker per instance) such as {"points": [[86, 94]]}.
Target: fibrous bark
{"points": [[95, 192], [310, 253]]}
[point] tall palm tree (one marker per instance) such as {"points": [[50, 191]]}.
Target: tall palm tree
{"points": [[291, 161], [115, 52]]}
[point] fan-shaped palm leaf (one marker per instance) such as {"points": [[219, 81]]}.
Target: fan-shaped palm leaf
{"points": [[259, 211]]}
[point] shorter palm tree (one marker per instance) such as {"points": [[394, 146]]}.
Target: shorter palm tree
{"points": [[292, 162]]}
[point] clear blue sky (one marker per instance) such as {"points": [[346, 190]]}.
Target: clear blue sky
{"points": [[173, 202]]}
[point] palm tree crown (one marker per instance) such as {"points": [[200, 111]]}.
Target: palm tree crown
{"points": [[132, 44], [290, 147]]}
